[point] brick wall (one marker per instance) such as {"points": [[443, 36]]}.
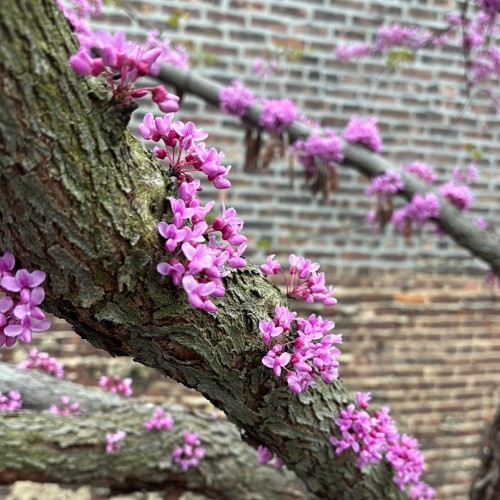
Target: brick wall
{"points": [[420, 329]]}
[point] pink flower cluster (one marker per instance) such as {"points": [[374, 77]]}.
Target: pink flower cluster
{"points": [[42, 361], [363, 131], [236, 99], [277, 114], [265, 455], [114, 440], [348, 52], [457, 191], [264, 67], [182, 151], [159, 420], [384, 186], [397, 35], [390, 37], [373, 437], [459, 195], [11, 401], [467, 175], [312, 353], [190, 453], [422, 171], [305, 283], [101, 52], [481, 223], [325, 146], [421, 208], [198, 265], [172, 54], [416, 213], [483, 58], [20, 315], [116, 385], [66, 408]]}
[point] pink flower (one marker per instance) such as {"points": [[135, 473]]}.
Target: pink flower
{"points": [[422, 491], [276, 363], [406, 460], [458, 194], [264, 68], [11, 401], [114, 440], [420, 210], [362, 399], [159, 421], [421, 170], [190, 453], [345, 52], [394, 35], [325, 146], [269, 330], [384, 186], [277, 114], [175, 55], [363, 131], [198, 293], [271, 266], [264, 454], [66, 408], [42, 361], [7, 262], [235, 99], [374, 437], [23, 280], [116, 385], [481, 223]]}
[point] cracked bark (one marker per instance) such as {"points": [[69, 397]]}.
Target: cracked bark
{"points": [[80, 199], [42, 447]]}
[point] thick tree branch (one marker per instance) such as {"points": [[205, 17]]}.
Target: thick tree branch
{"points": [[80, 199], [48, 448], [462, 230]]}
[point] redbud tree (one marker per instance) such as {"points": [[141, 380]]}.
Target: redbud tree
{"points": [[85, 202]]}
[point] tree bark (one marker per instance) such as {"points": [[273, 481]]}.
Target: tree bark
{"points": [[42, 447], [451, 221], [486, 485], [80, 199]]}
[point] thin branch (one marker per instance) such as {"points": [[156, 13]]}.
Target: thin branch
{"points": [[451, 221]]}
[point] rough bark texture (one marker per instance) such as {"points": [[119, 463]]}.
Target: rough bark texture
{"points": [[40, 390], [80, 199], [462, 230], [486, 485], [42, 447]]}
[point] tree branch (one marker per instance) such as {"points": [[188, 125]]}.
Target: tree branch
{"points": [[71, 450], [80, 199], [451, 221]]}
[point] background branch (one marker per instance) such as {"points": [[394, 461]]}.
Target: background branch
{"points": [[42, 447], [451, 221]]}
